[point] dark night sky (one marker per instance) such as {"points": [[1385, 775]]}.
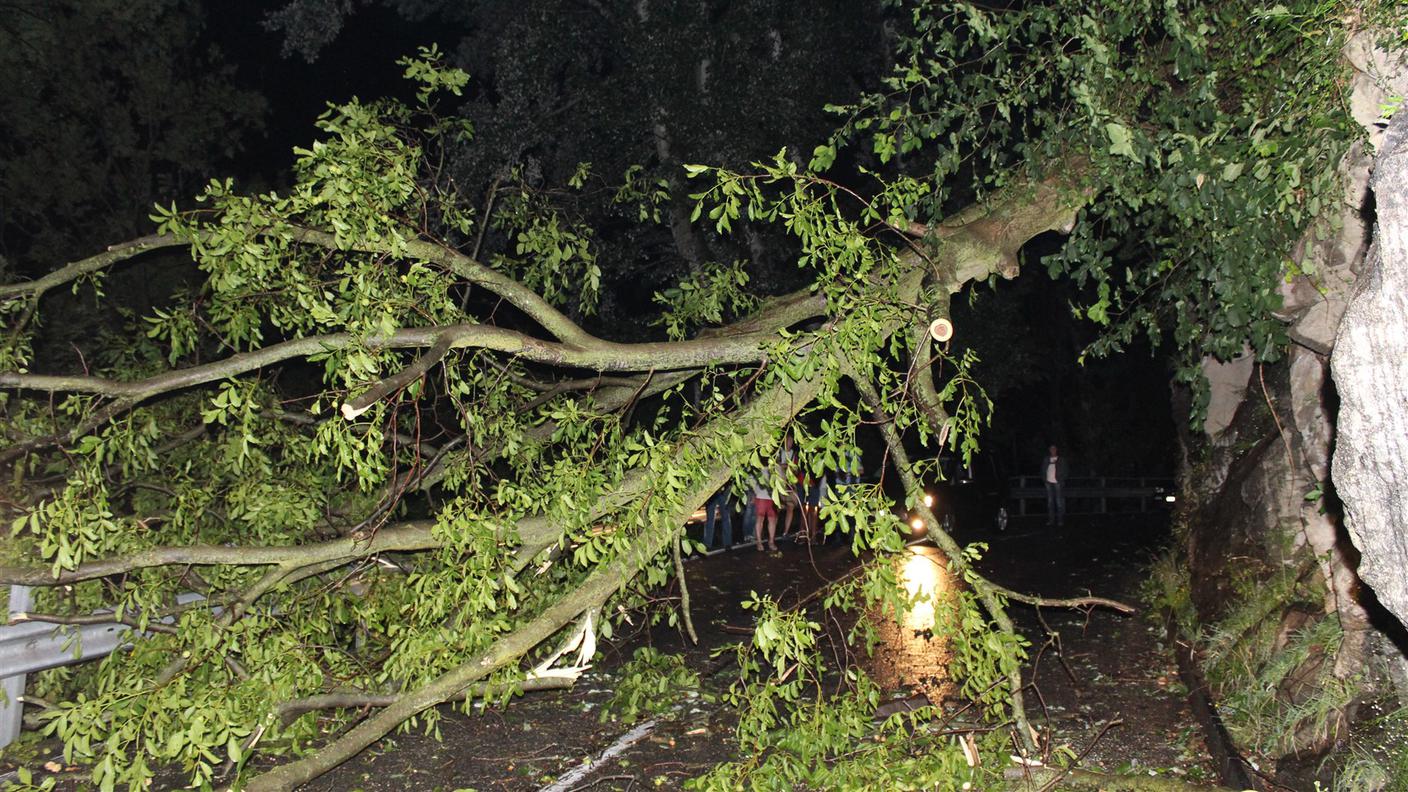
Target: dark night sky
{"points": [[360, 62]]}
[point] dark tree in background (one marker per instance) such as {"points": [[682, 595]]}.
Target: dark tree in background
{"points": [[108, 107]]}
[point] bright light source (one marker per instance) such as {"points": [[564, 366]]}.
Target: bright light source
{"points": [[917, 523], [928, 501], [923, 579], [1170, 499]]}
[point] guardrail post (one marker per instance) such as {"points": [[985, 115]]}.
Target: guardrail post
{"points": [[12, 709]]}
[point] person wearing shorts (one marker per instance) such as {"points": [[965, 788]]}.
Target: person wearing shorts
{"points": [[766, 512]]}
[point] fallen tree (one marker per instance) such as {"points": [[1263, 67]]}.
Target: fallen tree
{"points": [[173, 465], [406, 475]]}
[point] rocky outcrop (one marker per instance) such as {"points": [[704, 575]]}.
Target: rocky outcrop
{"points": [[1371, 374], [1265, 498]]}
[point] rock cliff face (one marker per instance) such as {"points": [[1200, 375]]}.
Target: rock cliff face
{"points": [[1371, 374], [1266, 503]]}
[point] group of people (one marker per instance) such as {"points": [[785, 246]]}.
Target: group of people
{"points": [[784, 492], [788, 490]]}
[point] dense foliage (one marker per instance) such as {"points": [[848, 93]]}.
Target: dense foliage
{"points": [[1215, 131]]}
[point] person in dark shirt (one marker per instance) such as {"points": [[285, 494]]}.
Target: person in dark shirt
{"points": [[719, 509]]}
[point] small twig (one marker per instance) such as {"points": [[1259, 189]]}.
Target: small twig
{"points": [[97, 618], [1067, 602], [483, 225], [684, 590], [1054, 640], [248, 746], [1281, 430], [1084, 752]]}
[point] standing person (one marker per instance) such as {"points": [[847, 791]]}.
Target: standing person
{"points": [[853, 471], [836, 485], [750, 512], [765, 512], [811, 507], [794, 495], [1053, 472], [719, 508]]}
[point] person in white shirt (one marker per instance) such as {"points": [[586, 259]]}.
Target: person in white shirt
{"points": [[1053, 472], [765, 511]]}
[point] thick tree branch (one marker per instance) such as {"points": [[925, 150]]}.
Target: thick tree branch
{"points": [[117, 253], [293, 562], [660, 356], [359, 404], [987, 237], [592, 592], [563, 386], [740, 341], [517, 295], [406, 536], [922, 389], [951, 549], [775, 313], [92, 618], [289, 711]]}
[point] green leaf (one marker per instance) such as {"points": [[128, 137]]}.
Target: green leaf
{"points": [[1121, 142]]}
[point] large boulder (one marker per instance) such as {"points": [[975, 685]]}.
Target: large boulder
{"points": [[1370, 369]]}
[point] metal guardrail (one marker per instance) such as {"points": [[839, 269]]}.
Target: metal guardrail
{"points": [[31, 646], [1093, 494]]}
